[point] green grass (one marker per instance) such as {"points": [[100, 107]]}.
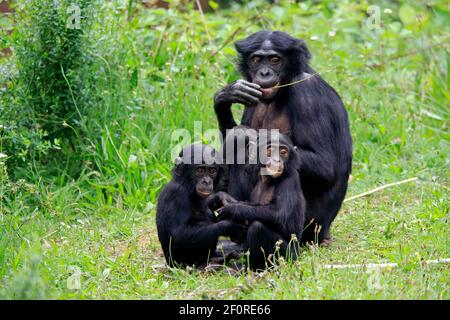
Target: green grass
{"points": [[153, 73]]}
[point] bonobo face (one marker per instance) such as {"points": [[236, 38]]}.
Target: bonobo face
{"points": [[198, 167], [203, 178], [277, 156], [266, 68]]}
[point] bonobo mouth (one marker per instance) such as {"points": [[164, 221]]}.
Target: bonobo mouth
{"points": [[274, 170], [204, 193], [268, 90]]}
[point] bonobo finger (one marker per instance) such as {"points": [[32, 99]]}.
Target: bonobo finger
{"points": [[248, 87], [228, 200], [251, 91], [249, 98], [240, 100], [222, 217], [224, 214], [251, 84], [231, 199], [212, 200]]}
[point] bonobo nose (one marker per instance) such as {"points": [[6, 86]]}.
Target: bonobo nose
{"points": [[206, 182], [265, 73]]}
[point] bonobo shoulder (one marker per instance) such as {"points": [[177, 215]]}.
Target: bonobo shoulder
{"points": [[173, 192]]}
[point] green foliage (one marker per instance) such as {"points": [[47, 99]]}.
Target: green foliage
{"points": [[43, 103]]}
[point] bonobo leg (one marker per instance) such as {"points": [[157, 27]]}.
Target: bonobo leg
{"points": [[261, 242], [226, 250]]}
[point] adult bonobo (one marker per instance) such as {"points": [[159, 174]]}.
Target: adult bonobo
{"points": [[311, 113], [187, 229]]}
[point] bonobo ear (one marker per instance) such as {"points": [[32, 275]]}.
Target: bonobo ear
{"points": [[302, 54], [243, 48], [239, 45], [302, 50], [296, 161], [179, 166], [222, 180]]}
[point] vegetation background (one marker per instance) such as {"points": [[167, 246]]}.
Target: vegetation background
{"points": [[86, 116]]}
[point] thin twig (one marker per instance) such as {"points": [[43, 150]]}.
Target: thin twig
{"points": [[71, 92], [250, 22], [227, 41], [159, 44], [372, 266], [238, 30], [204, 23], [380, 188], [295, 82]]}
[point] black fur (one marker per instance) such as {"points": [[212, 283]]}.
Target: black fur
{"points": [[295, 50], [187, 229], [319, 128], [243, 175], [279, 219]]}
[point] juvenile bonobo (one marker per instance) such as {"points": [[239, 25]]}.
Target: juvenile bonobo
{"points": [[311, 113], [187, 229], [242, 172], [276, 209]]}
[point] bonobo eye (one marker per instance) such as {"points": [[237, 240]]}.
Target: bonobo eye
{"points": [[200, 171], [269, 151], [284, 152], [212, 171], [275, 60], [256, 59]]}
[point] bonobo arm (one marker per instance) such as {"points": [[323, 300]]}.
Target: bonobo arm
{"points": [[176, 220], [320, 131], [205, 235], [244, 210], [219, 199], [285, 214], [271, 215], [240, 91], [318, 167]]}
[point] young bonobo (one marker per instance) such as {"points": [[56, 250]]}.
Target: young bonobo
{"points": [[187, 229], [242, 174], [276, 210]]}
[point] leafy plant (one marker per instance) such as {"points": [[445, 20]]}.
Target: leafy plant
{"points": [[41, 108]]}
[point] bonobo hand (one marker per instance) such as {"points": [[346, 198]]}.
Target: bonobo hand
{"points": [[229, 212], [219, 199], [236, 231], [240, 91]]}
